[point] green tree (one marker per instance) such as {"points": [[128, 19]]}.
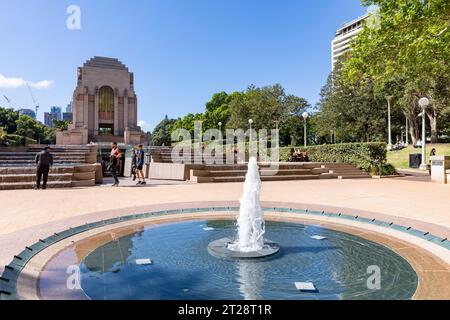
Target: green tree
{"points": [[187, 122], [30, 128], [217, 110], [61, 124], [8, 119], [350, 110], [408, 47], [161, 133], [269, 107]]}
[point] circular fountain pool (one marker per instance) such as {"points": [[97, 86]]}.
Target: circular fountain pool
{"points": [[182, 268]]}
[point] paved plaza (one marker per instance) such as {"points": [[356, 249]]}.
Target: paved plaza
{"points": [[27, 215], [400, 197]]}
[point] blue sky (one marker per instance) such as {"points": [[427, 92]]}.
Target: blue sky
{"points": [[181, 51]]}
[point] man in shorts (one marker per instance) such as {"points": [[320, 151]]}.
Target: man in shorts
{"points": [[139, 165]]}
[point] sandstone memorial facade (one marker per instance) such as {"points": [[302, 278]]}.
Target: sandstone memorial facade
{"points": [[104, 105]]}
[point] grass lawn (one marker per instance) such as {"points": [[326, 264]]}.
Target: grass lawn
{"points": [[400, 159]]}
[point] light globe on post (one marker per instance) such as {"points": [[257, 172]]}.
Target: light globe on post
{"points": [[305, 116], [423, 103], [250, 122]]}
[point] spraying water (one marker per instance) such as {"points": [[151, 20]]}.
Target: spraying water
{"points": [[250, 222]]}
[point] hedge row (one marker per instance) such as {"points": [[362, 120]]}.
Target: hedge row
{"points": [[13, 140], [362, 155]]}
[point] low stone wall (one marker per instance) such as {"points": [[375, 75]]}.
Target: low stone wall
{"points": [[168, 171]]}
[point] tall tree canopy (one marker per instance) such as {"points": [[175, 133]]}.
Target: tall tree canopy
{"points": [[406, 54], [161, 133]]}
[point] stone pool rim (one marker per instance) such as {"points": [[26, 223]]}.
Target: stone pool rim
{"points": [[8, 280]]}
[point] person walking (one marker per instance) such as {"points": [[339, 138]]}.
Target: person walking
{"points": [[114, 162], [432, 154], [44, 161], [133, 163], [140, 164]]}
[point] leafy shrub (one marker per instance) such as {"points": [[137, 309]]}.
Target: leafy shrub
{"points": [[361, 155], [13, 140], [387, 169]]}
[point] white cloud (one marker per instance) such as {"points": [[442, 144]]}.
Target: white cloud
{"points": [[14, 83], [44, 84], [144, 126]]}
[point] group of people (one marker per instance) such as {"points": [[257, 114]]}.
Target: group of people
{"points": [[298, 156], [44, 163], [137, 164]]}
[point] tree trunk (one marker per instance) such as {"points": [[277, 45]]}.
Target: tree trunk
{"points": [[413, 127], [432, 116]]}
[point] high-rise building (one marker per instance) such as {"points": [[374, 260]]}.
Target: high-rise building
{"points": [[344, 36], [67, 116], [48, 119], [28, 112], [69, 107], [57, 111]]}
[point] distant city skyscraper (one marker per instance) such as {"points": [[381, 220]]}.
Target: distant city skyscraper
{"points": [[344, 36], [67, 116], [28, 112], [57, 111], [48, 119], [69, 107]]}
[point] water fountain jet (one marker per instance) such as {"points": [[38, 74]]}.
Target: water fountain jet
{"points": [[249, 242]]}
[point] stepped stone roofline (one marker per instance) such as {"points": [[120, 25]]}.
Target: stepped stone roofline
{"points": [[105, 62]]}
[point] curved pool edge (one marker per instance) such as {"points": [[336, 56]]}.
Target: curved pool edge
{"points": [[26, 267]]}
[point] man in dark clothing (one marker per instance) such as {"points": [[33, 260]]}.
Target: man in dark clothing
{"points": [[140, 164], [44, 161], [133, 164], [114, 164]]}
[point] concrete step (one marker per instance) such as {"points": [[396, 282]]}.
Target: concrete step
{"points": [[26, 159], [347, 171], [18, 163], [334, 166], [80, 176], [354, 176], [57, 153], [83, 183], [263, 178], [30, 185], [244, 166], [263, 172], [32, 170], [10, 178]]}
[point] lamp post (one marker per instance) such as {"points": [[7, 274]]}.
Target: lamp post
{"points": [[406, 133], [423, 103], [305, 116], [342, 127], [220, 126], [250, 122], [389, 99], [401, 134]]}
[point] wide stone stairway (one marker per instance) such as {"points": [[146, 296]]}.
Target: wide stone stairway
{"points": [[74, 166], [277, 172], [199, 170]]}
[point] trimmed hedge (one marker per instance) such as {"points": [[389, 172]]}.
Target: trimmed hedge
{"points": [[16, 140], [361, 155], [386, 170]]}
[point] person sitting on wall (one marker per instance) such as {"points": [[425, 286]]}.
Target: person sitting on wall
{"points": [[291, 155], [418, 144], [304, 156], [432, 154]]}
